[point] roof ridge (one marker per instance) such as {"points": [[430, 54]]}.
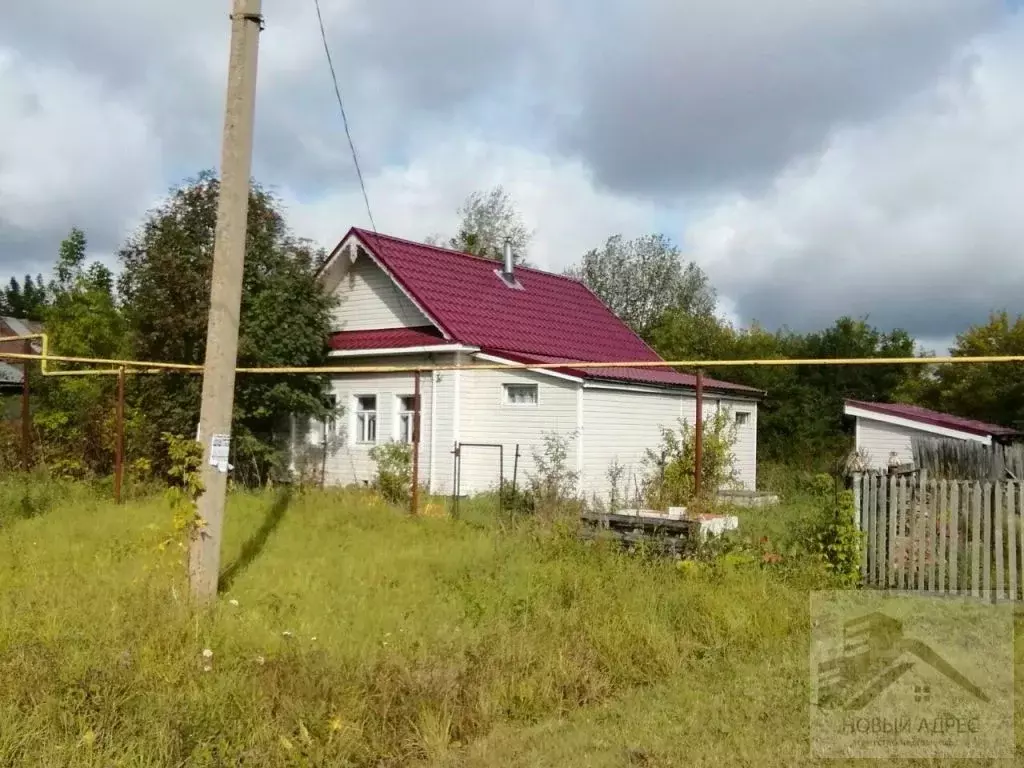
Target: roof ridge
{"points": [[383, 236]]}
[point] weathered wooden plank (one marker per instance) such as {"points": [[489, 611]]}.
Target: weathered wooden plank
{"points": [[932, 527], [887, 502], [856, 500], [998, 523], [878, 531], [1010, 510], [871, 537], [879, 515], [986, 539], [860, 487], [873, 567], [954, 538], [942, 551], [1019, 521], [902, 511], [975, 508], [921, 538]]}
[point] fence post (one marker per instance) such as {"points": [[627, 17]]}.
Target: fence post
{"points": [[976, 540], [954, 538], [942, 555], [858, 520], [119, 437], [898, 533], [998, 522], [986, 539], [1011, 537], [26, 419], [921, 531], [856, 500]]}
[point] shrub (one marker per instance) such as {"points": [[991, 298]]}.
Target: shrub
{"points": [[831, 535], [552, 485], [670, 478], [394, 471], [185, 458]]}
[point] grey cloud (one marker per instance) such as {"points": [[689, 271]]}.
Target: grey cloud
{"points": [[912, 220], [683, 96], [657, 96]]}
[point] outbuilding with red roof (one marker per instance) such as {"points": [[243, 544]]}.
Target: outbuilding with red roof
{"points": [[885, 431], [403, 303]]}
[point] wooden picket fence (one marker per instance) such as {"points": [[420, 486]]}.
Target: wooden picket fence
{"points": [[942, 536]]}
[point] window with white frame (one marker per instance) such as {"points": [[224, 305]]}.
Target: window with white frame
{"points": [[520, 394], [366, 418], [331, 422], [406, 417], [742, 417]]}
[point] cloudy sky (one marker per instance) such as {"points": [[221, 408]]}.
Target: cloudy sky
{"points": [[853, 156]]}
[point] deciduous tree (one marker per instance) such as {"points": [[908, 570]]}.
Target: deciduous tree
{"points": [[488, 219], [642, 279], [74, 415], [285, 320]]}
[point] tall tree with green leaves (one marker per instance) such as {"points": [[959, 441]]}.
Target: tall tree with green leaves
{"points": [[801, 418], [644, 278], [26, 300], [487, 220], [74, 415], [991, 392], [285, 320]]}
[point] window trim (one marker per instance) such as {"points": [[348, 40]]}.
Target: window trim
{"points": [[505, 388], [357, 412], [741, 418], [399, 411], [331, 421]]}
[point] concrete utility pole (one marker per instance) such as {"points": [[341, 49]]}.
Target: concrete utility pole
{"points": [[226, 296]]}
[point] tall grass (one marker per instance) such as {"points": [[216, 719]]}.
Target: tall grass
{"points": [[352, 634]]}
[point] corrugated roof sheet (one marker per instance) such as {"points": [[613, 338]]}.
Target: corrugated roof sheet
{"points": [[547, 316], [935, 418], [388, 338]]}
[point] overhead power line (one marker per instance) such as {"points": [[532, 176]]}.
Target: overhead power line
{"points": [[344, 116]]}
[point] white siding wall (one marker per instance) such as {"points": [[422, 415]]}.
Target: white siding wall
{"points": [[879, 439], [348, 462], [620, 426], [370, 300], [486, 418], [444, 441], [745, 448]]}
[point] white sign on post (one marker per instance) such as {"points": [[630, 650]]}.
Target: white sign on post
{"points": [[220, 446]]}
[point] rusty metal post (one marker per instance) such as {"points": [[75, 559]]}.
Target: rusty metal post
{"points": [[698, 440], [416, 444], [26, 419], [119, 437]]}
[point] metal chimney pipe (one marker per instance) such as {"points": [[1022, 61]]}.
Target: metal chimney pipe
{"points": [[509, 262]]}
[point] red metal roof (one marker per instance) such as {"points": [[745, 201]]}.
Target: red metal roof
{"points": [[663, 376], [388, 338], [552, 318], [935, 418]]}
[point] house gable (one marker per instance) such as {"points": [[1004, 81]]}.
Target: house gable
{"points": [[370, 298]]}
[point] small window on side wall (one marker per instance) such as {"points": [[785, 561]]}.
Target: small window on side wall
{"points": [[519, 394], [366, 419], [742, 417]]}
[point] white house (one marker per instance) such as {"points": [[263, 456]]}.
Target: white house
{"points": [[884, 431], [409, 304]]}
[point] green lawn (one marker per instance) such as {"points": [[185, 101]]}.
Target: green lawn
{"points": [[351, 634]]}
